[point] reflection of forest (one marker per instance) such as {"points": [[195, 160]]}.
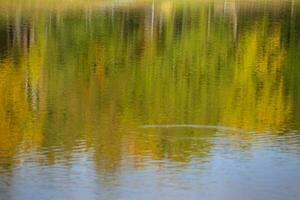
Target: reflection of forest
{"points": [[67, 77]]}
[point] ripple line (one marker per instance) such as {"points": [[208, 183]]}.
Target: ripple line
{"points": [[198, 126]]}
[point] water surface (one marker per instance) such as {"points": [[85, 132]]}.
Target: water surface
{"points": [[149, 100]]}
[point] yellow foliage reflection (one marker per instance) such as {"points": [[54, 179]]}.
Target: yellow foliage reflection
{"points": [[256, 99], [78, 77]]}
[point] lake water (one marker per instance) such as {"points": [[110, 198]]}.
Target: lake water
{"points": [[149, 100]]}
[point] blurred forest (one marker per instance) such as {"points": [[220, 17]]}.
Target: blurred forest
{"points": [[92, 73]]}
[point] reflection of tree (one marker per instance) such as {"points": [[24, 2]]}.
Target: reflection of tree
{"points": [[21, 97], [170, 144], [256, 99], [74, 81], [10, 112]]}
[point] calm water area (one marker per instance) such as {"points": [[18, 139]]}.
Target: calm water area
{"points": [[145, 100]]}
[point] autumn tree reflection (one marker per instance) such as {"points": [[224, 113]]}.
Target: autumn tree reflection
{"points": [[93, 76]]}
